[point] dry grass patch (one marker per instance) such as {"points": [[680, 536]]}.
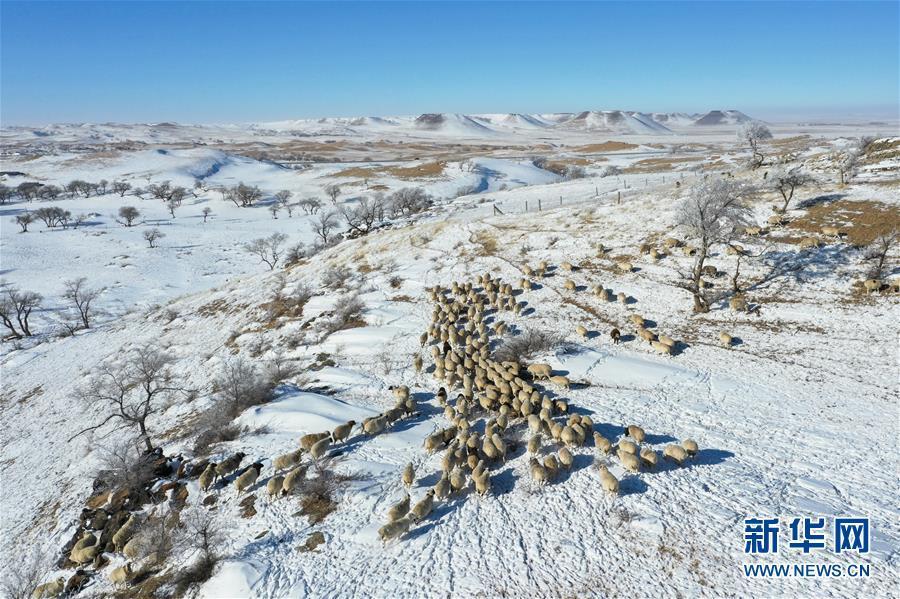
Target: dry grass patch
{"points": [[882, 150], [426, 170], [863, 221], [487, 241], [607, 146], [656, 165]]}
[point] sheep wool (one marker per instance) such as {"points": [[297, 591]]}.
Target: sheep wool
{"points": [[399, 509]]}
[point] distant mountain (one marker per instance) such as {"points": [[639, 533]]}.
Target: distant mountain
{"points": [[615, 121], [722, 117], [451, 123]]}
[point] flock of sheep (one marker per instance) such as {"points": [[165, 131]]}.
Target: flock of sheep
{"points": [[496, 402]]}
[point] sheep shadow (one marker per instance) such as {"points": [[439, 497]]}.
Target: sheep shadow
{"points": [[626, 338], [632, 485], [650, 324], [579, 288], [656, 439], [708, 457]]}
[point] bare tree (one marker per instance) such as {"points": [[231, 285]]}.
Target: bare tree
{"points": [[333, 191], [79, 220], [243, 195], [786, 182], [364, 215], [283, 199], [23, 220], [29, 190], [324, 225], [753, 133], [408, 201], [878, 252], [127, 215], [710, 215], [131, 392], [53, 216], [18, 305], [81, 296], [6, 194], [121, 187], [273, 210], [206, 212], [22, 575], [203, 533], [267, 249], [160, 191], [172, 206], [152, 236], [310, 205], [50, 192], [848, 159]]}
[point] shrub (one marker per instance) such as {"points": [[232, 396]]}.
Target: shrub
{"points": [[529, 343]]}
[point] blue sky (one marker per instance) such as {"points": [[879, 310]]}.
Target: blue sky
{"points": [[254, 61]]}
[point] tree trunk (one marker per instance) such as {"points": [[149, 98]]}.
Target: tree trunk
{"points": [[145, 436]]}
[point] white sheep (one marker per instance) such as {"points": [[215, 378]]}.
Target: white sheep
{"points": [[649, 457], [318, 450], [609, 482], [538, 472], [565, 457], [49, 589], [442, 487], [409, 475], [551, 465], [628, 447], [569, 285], [124, 533], [675, 453], [602, 443], [342, 431], [287, 460], [246, 480], [661, 348], [457, 479], [293, 480], [582, 331], [207, 476], [423, 507], [872, 285], [399, 509], [725, 339], [274, 486], [534, 444], [308, 440], [636, 433], [560, 381], [629, 461], [540, 371], [394, 529], [482, 482], [690, 446], [121, 574], [568, 436]]}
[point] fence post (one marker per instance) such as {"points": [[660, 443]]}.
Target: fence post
{"points": [[619, 198], [560, 200], [526, 205], [539, 205]]}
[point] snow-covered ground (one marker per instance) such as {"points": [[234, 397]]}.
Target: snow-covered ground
{"points": [[798, 418]]}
